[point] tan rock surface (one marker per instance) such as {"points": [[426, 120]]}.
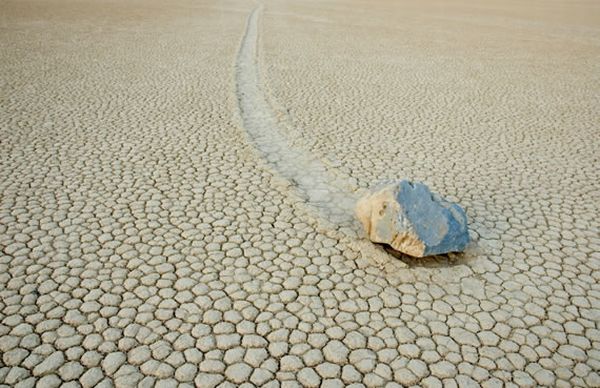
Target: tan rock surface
{"points": [[381, 208]]}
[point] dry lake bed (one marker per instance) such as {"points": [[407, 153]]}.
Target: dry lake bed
{"points": [[177, 182]]}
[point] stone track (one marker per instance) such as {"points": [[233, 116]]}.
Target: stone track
{"points": [[328, 195]]}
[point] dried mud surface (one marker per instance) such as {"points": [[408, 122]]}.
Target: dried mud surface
{"points": [[151, 235]]}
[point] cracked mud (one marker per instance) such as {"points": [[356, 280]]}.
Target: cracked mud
{"points": [[158, 228]]}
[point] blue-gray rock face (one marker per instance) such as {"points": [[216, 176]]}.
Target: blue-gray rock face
{"points": [[412, 219]]}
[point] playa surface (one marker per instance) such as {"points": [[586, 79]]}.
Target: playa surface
{"points": [[177, 181]]}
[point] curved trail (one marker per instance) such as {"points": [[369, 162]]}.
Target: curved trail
{"points": [[328, 196], [324, 192]]}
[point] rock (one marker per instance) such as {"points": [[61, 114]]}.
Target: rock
{"points": [[412, 220]]}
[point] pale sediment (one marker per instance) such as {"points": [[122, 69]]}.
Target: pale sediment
{"points": [[324, 192], [141, 243]]}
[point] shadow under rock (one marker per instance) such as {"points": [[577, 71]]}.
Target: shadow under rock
{"points": [[437, 261]]}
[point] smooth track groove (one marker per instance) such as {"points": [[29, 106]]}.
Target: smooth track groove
{"points": [[323, 191]]}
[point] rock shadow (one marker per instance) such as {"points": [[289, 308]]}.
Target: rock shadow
{"points": [[436, 261]]}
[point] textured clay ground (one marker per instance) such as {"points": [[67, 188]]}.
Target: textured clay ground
{"points": [[166, 180]]}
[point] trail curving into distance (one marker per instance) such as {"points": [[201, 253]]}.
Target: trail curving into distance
{"points": [[325, 193], [328, 196]]}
